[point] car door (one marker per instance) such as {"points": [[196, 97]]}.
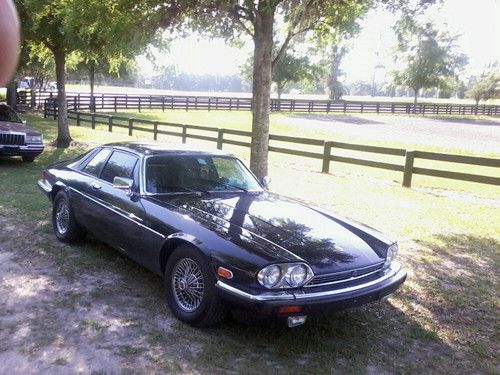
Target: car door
{"points": [[125, 223]]}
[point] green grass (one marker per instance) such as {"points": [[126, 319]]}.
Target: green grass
{"points": [[444, 319]]}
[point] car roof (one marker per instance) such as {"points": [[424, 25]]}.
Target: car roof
{"points": [[160, 148]]}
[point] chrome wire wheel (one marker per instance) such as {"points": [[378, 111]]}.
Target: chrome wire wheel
{"points": [[187, 284], [62, 216]]}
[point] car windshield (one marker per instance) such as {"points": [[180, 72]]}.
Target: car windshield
{"points": [[197, 173], [8, 114]]}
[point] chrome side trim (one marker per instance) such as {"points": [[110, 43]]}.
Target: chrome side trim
{"points": [[267, 296], [128, 217], [282, 296]]}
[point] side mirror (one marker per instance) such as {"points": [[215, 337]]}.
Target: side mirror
{"points": [[123, 183], [266, 181]]}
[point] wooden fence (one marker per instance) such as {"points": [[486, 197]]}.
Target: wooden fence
{"points": [[320, 149], [116, 102]]}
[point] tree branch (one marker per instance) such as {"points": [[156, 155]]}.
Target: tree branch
{"points": [[292, 32]]}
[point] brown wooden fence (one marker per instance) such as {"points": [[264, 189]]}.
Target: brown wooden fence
{"points": [[116, 102], [319, 149]]}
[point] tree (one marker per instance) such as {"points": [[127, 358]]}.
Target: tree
{"points": [[487, 86], [428, 57], [263, 21], [110, 34], [43, 21], [290, 69]]}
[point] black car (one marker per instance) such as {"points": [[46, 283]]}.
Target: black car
{"points": [[16, 139], [218, 238]]}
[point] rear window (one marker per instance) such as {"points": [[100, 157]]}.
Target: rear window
{"points": [[8, 114]]}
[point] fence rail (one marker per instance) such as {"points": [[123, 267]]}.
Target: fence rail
{"points": [[322, 149], [115, 102]]}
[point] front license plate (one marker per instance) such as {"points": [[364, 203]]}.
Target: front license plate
{"points": [[10, 150]]}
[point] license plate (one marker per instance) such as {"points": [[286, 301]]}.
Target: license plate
{"points": [[10, 150]]}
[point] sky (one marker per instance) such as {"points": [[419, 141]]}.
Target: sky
{"points": [[477, 23]]}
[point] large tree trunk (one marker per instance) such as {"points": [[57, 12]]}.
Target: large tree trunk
{"points": [[261, 90], [92, 81], [63, 137]]}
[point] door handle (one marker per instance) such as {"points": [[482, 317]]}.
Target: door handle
{"points": [[95, 186]]}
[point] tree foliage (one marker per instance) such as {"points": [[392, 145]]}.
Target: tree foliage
{"points": [[428, 58], [487, 86]]}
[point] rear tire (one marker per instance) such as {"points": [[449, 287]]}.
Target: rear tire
{"points": [[190, 289], [28, 158], [64, 224]]}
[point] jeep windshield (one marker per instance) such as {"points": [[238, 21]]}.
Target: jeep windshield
{"points": [[8, 114]]}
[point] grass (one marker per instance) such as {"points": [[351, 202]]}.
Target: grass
{"points": [[444, 319]]}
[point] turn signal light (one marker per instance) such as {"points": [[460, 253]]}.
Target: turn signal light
{"points": [[289, 309], [225, 273]]}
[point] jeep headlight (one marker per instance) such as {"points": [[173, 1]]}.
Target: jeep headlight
{"points": [[392, 251], [285, 275], [38, 138]]}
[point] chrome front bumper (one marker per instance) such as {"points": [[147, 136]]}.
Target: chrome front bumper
{"points": [[390, 281]]}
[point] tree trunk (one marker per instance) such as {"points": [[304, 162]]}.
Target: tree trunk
{"points": [[12, 93], [334, 84], [261, 89], [63, 137], [92, 81]]}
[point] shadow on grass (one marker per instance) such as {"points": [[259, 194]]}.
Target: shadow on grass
{"points": [[334, 118], [467, 121]]}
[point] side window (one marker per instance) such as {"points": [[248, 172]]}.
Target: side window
{"points": [[119, 164], [95, 164]]}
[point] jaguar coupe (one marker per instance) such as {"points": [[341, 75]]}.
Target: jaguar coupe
{"points": [[16, 139], [216, 235]]}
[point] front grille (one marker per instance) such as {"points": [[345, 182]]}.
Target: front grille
{"points": [[341, 277], [11, 139]]}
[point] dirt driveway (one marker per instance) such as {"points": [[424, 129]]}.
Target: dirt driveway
{"points": [[474, 135]]}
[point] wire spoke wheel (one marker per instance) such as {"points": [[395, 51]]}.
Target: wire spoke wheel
{"points": [[62, 216], [187, 284]]}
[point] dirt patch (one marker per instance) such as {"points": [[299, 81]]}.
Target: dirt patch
{"points": [[51, 321]]}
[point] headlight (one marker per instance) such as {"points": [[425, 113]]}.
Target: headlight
{"points": [[34, 138], [392, 251], [285, 275]]}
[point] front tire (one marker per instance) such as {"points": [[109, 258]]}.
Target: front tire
{"points": [[28, 158], [190, 289], [64, 224]]}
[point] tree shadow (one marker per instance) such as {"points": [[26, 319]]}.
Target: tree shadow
{"points": [[335, 118], [466, 121]]}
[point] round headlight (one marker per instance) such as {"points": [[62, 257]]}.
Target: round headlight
{"points": [[269, 276], [297, 275], [392, 251]]}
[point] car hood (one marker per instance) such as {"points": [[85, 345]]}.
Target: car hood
{"points": [[7, 126], [317, 238]]}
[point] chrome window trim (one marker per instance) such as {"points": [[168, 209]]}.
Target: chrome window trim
{"points": [[130, 216]]}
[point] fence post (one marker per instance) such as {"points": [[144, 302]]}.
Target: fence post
{"points": [[163, 103], [126, 101], [209, 99], [326, 157], [130, 126], [408, 171], [116, 103], [155, 130], [110, 123], [150, 101], [139, 103], [220, 138], [77, 118], [187, 103], [345, 107], [378, 108], [79, 105], [93, 120], [184, 133], [102, 101]]}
